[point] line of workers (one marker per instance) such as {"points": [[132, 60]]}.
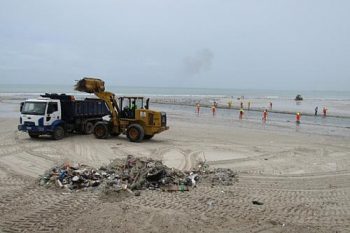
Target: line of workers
{"points": [[264, 114]]}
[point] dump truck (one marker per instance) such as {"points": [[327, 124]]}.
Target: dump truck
{"points": [[57, 114], [129, 114]]}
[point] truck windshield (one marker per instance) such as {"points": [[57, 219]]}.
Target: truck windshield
{"points": [[34, 108]]}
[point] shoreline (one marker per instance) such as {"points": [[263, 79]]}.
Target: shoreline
{"points": [[206, 102], [332, 124], [207, 106]]}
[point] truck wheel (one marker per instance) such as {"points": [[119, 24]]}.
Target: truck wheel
{"points": [[147, 137], [135, 133], [89, 128], [58, 133], [101, 131], [33, 135]]}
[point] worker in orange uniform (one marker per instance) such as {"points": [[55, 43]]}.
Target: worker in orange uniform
{"points": [[297, 118], [264, 118], [325, 111], [241, 113], [198, 106], [229, 104], [213, 109]]}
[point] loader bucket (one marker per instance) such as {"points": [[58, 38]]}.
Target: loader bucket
{"points": [[90, 85]]}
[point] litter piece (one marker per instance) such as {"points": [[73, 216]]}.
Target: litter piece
{"points": [[257, 203]]}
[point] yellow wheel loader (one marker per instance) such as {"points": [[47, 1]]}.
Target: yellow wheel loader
{"points": [[130, 116]]}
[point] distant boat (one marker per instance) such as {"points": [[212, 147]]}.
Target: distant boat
{"points": [[298, 98]]}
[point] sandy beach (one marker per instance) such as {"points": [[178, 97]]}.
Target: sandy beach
{"points": [[301, 177], [175, 116]]}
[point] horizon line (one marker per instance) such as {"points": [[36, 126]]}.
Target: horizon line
{"points": [[178, 87]]}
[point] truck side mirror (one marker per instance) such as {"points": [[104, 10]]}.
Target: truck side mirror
{"points": [[21, 107]]}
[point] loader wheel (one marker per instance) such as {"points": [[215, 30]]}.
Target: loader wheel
{"points": [[135, 133], [147, 137], [89, 128], [101, 131], [58, 133]]}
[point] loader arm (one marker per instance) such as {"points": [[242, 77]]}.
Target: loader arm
{"points": [[112, 105], [96, 86]]}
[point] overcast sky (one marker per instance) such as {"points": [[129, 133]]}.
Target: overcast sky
{"points": [[258, 44]]}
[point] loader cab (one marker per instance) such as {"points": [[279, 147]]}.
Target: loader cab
{"points": [[128, 106]]}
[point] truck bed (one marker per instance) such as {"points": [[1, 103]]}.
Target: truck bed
{"points": [[88, 108]]}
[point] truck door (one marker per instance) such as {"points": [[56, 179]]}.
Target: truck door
{"points": [[53, 113]]}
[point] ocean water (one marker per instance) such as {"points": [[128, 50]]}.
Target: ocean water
{"points": [[172, 91], [337, 102]]}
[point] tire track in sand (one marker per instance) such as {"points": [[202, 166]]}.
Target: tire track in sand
{"points": [[328, 208], [45, 210]]}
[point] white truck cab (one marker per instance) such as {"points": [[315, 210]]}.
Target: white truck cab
{"points": [[39, 116]]}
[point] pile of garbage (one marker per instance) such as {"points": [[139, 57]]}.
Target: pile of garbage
{"points": [[75, 176], [132, 174]]}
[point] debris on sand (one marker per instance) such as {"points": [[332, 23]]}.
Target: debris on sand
{"points": [[72, 177], [257, 203], [133, 174]]}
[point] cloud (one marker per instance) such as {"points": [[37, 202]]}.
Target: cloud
{"points": [[200, 62]]}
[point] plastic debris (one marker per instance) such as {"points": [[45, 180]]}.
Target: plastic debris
{"points": [[132, 174], [257, 203]]}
